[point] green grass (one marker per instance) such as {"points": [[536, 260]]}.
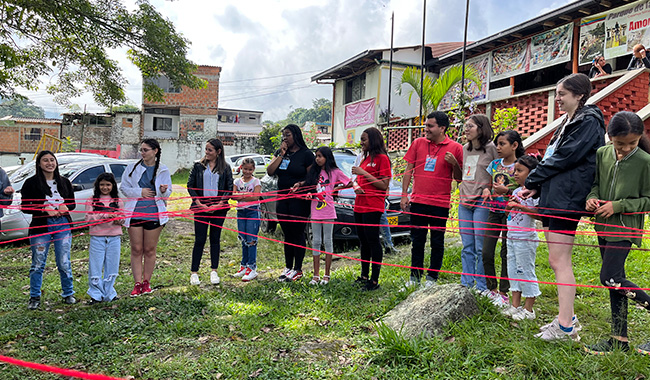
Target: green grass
{"points": [[180, 177], [269, 330]]}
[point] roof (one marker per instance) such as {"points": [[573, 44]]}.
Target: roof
{"points": [[33, 120], [238, 110]]}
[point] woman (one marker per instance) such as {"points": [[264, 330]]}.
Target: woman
{"points": [[147, 186], [291, 163], [478, 153], [210, 185], [49, 198], [371, 185], [562, 180]]}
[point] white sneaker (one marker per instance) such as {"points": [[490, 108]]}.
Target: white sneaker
{"points": [[430, 283], [241, 272], [284, 274], [214, 278], [511, 310], [289, 276], [410, 284], [576, 324], [194, 279], [251, 274], [554, 333], [501, 301], [524, 314]]}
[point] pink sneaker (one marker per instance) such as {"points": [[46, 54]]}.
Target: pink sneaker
{"points": [[137, 289]]}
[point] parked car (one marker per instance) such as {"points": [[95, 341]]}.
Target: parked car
{"points": [[261, 162], [232, 159], [81, 173], [344, 206]]}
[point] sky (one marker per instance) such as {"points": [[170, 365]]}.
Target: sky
{"points": [[268, 50]]}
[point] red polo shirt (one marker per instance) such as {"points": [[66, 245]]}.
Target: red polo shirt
{"points": [[433, 187]]}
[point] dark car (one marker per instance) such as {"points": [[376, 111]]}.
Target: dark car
{"points": [[344, 228]]}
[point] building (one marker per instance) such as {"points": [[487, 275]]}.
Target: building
{"points": [[239, 130], [21, 137]]}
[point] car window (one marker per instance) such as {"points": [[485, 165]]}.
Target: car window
{"points": [[345, 162], [259, 161], [118, 170], [86, 178]]}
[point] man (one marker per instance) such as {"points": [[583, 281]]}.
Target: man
{"points": [[434, 161]]}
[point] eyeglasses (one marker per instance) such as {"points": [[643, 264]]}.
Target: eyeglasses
{"points": [[145, 150]]}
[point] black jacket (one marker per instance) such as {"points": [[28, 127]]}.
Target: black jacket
{"points": [[33, 199], [564, 179], [195, 185]]}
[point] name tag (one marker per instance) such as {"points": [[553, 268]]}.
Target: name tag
{"points": [[430, 164], [285, 164]]}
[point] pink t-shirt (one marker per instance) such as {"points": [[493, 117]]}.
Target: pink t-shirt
{"points": [[432, 175], [96, 214], [322, 204]]}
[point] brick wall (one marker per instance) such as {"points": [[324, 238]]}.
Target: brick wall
{"points": [[10, 141], [13, 137], [200, 98], [533, 111]]}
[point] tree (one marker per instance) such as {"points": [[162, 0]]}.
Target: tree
{"points": [[20, 108], [321, 112], [270, 139], [69, 40], [123, 108]]}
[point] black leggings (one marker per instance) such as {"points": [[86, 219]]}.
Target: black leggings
{"points": [[203, 221], [370, 245], [612, 273], [294, 217]]}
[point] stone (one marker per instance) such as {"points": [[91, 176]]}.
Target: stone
{"points": [[428, 311]]}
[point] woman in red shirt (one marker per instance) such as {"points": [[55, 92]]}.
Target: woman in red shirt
{"points": [[373, 179]]}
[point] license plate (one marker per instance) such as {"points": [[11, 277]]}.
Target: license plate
{"points": [[392, 220]]}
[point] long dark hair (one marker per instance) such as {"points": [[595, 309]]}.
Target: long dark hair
{"points": [[485, 132], [375, 143], [40, 176], [99, 206], [528, 161], [153, 144], [297, 135], [625, 123], [220, 164], [330, 165], [512, 137], [577, 84]]}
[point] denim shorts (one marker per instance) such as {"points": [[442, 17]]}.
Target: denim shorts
{"points": [[146, 224]]}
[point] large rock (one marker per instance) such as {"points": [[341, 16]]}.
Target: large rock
{"points": [[428, 311]]}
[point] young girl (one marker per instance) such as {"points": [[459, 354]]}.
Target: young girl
{"points": [[147, 187], [373, 178], [49, 198], [104, 209], [619, 197], [247, 190], [321, 182], [522, 245], [6, 192], [502, 170]]}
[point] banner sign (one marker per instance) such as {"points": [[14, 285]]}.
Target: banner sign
{"points": [[482, 65], [551, 48], [360, 113], [510, 60]]}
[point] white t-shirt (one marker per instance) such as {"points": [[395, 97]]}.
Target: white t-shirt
{"points": [[56, 199], [520, 224], [247, 187]]}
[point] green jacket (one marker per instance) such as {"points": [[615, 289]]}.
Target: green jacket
{"points": [[627, 184]]}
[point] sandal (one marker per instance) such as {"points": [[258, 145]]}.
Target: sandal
{"points": [[325, 280], [314, 280]]}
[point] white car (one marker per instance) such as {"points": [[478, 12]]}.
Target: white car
{"points": [[261, 162]]}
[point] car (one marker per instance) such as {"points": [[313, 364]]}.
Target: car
{"points": [[261, 162], [81, 173], [232, 159], [344, 229]]}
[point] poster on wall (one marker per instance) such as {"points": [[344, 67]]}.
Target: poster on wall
{"points": [[551, 48], [350, 137], [482, 65], [510, 60], [360, 113], [592, 39]]}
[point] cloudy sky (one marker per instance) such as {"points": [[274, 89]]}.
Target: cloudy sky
{"points": [[269, 49]]}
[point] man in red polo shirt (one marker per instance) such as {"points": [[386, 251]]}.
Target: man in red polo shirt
{"points": [[434, 161]]}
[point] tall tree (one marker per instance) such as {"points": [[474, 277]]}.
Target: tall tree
{"points": [[69, 39], [321, 112], [20, 108]]}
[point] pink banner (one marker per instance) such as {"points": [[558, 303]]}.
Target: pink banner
{"points": [[360, 113]]}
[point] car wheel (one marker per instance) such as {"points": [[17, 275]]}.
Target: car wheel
{"points": [[266, 225]]}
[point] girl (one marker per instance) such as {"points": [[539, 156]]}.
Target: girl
{"points": [[291, 163], [147, 187], [104, 209], [6, 192], [323, 178], [49, 198], [210, 185], [618, 197], [478, 153], [373, 178], [563, 179], [522, 245], [247, 189], [509, 147]]}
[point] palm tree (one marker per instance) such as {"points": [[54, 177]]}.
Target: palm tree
{"points": [[435, 89]]}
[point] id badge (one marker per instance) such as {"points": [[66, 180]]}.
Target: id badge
{"points": [[430, 164], [285, 164]]}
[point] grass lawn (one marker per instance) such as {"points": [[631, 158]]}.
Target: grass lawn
{"points": [[268, 330]]}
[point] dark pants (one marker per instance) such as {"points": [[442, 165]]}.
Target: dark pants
{"points": [[424, 216], [203, 221], [370, 245], [612, 273], [496, 226], [294, 216]]}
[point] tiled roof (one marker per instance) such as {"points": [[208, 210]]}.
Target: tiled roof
{"points": [[441, 48], [34, 120]]}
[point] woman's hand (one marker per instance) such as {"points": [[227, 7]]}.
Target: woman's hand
{"points": [[487, 195], [605, 210], [63, 209], [358, 171], [500, 189], [283, 148], [52, 212], [163, 188], [451, 159], [148, 193], [592, 204], [295, 187], [405, 203], [526, 193], [9, 190]]}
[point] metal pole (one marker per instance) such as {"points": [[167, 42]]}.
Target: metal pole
{"points": [[462, 81], [390, 65], [424, 18]]}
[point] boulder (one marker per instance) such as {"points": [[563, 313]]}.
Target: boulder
{"points": [[428, 311]]}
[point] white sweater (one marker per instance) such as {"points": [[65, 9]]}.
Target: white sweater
{"points": [[133, 191]]}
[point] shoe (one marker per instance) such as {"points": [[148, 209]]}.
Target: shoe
{"points": [[644, 348], [607, 347], [34, 303], [360, 281], [194, 279], [510, 310], [93, 301], [69, 300], [555, 333], [288, 276], [114, 299], [297, 275], [251, 274], [325, 280], [146, 287], [315, 280], [576, 324], [214, 278], [241, 272], [284, 274], [137, 289], [430, 283], [501, 301], [524, 314], [370, 286], [492, 294]]}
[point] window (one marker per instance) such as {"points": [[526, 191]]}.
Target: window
{"points": [[164, 83], [356, 88], [34, 134], [162, 124], [118, 170], [86, 178]]}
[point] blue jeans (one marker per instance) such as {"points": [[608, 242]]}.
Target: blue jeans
{"points": [[59, 234], [471, 223], [521, 265], [387, 239], [104, 256], [248, 221]]}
